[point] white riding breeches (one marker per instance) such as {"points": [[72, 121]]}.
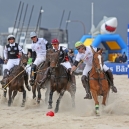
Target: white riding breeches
{"points": [[12, 62], [66, 64], [28, 68], [39, 60], [88, 68]]}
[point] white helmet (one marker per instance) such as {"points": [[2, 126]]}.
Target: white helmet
{"points": [[10, 36], [33, 34]]}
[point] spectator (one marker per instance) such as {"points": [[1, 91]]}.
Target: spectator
{"points": [[71, 56], [124, 58], [118, 59]]}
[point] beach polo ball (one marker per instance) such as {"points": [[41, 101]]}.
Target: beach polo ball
{"points": [[51, 113]]}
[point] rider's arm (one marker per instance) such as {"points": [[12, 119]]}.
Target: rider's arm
{"points": [[20, 50], [48, 46], [5, 53]]}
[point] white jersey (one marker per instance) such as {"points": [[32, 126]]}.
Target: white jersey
{"points": [[39, 47], [87, 57]]}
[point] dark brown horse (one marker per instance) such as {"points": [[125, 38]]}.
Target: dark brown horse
{"points": [[98, 81], [59, 80], [16, 80]]}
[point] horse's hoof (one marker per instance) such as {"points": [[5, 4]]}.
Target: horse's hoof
{"points": [[56, 110], [49, 107], [38, 101], [23, 105], [97, 113], [9, 104]]}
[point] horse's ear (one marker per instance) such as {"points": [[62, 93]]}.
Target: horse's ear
{"points": [[92, 49]]}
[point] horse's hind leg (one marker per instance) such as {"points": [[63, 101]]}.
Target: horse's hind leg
{"points": [[14, 94], [24, 98], [47, 94], [58, 101], [50, 100], [104, 99], [10, 97], [72, 93]]}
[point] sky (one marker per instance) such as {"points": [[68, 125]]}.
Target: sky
{"points": [[80, 10]]}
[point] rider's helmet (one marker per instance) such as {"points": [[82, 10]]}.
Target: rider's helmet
{"points": [[32, 34], [55, 41], [11, 37], [79, 44]]}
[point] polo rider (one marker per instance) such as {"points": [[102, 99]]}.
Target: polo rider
{"points": [[64, 61], [39, 45], [12, 52], [85, 54]]}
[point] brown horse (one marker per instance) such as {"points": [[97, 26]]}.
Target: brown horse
{"points": [[98, 81], [16, 80], [59, 80], [40, 73]]}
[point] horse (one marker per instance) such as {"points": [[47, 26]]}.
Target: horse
{"points": [[40, 72], [16, 81], [98, 80], [59, 81]]}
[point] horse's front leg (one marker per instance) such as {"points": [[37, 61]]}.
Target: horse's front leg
{"points": [[24, 98], [5, 93], [50, 100], [10, 97], [95, 96], [58, 101], [39, 94], [34, 91]]}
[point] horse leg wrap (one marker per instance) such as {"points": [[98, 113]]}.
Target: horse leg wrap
{"points": [[110, 80], [85, 83]]}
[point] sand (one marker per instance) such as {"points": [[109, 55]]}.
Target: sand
{"points": [[114, 116]]}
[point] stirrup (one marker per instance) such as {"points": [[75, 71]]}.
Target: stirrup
{"points": [[88, 96], [114, 89]]}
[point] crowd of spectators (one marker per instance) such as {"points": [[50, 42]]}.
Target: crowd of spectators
{"points": [[120, 58]]}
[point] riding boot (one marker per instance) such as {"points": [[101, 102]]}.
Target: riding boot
{"points": [[110, 80], [4, 81], [26, 81], [72, 78], [85, 83], [32, 75]]}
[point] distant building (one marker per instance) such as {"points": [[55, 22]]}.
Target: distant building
{"points": [[24, 39]]}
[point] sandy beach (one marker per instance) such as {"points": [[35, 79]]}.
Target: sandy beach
{"points": [[114, 116]]}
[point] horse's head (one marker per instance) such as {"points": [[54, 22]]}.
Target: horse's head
{"points": [[24, 59], [97, 61], [54, 59]]}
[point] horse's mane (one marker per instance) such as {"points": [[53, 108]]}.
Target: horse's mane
{"points": [[16, 69]]}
